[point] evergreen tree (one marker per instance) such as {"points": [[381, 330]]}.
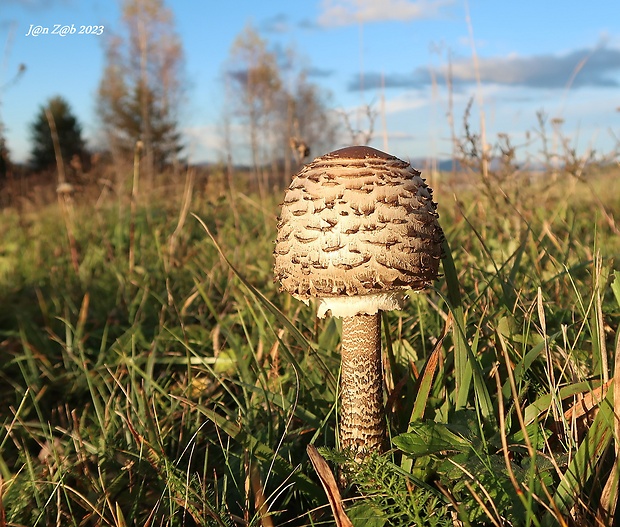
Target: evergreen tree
{"points": [[122, 116], [69, 132], [140, 91], [4, 155]]}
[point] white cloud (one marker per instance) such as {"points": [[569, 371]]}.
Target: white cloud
{"points": [[207, 142], [203, 142], [404, 103], [347, 12], [597, 67]]}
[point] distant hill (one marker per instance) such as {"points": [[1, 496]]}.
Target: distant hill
{"points": [[443, 165]]}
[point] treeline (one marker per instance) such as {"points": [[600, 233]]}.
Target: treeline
{"points": [[272, 118]]}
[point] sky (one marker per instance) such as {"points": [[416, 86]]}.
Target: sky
{"points": [[560, 57]]}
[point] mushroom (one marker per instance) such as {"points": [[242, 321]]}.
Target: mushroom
{"points": [[358, 229]]}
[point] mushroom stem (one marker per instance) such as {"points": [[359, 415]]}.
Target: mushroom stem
{"points": [[362, 414]]}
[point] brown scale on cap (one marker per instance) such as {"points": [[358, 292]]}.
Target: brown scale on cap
{"points": [[357, 221]]}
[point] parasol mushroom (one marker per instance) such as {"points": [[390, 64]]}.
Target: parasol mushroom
{"points": [[358, 229]]}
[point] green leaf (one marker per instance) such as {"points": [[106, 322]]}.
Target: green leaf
{"points": [[428, 438], [615, 286], [537, 436], [366, 515]]}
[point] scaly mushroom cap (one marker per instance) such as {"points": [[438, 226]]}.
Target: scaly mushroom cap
{"points": [[358, 228]]}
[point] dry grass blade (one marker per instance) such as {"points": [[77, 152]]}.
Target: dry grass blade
{"points": [[426, 381], [502, 428], [587, 403], [133, 204], [494, 515], [2, 511], [616, 381], [483, 506], [609, 496], [330, 486], [64, 192], [187, 200], [259, 497]]}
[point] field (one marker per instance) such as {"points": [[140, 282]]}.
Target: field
{"points": [[153, 375]]}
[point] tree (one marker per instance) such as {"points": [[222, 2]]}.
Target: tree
{"points": [[254, 79], [68, 130], [141, 90], [274, 101], [4, 155], [308, 117], [5, 161]]}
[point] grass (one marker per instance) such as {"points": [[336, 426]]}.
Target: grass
{"points": [[179, 387]]}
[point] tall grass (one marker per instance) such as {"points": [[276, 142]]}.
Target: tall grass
{"points": [[166, 381]]}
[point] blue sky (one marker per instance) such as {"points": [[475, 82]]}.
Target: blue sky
{"points": [[557, 56]]}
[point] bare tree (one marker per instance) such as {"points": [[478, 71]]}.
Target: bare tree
{"points": [[254, 80], [141, 90], [277, 104], [314, 125], [359, 135]]}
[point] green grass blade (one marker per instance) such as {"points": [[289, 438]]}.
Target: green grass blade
{"points": [[465, 364], [583, 464]]}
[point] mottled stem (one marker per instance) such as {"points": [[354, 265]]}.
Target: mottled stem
{"points": [[362, 414]]}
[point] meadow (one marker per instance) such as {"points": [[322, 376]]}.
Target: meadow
{"points": [[153, 375]]}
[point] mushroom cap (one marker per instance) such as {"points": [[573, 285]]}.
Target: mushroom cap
{"points": [[358, 228]]}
